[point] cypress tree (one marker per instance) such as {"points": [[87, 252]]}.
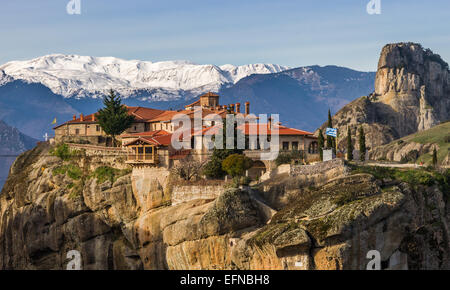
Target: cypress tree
{"points": [[435, 161], [330, 140], [349, 145], [321, 142], [362, 144], [114, 118]]}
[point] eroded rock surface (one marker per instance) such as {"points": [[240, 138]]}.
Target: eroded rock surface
{"points": [[412, 93], [116, 224]]}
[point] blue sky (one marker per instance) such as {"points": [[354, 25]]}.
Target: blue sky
{"points": [[293, 33]]}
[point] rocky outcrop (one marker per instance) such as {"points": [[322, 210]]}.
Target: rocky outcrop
{"points": [[127, 221], [401, 151], [417, 148], [12, 142], [412, 93], [335, 227]]}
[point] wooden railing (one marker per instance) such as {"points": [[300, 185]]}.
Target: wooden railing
{"points": [[137, 156]]}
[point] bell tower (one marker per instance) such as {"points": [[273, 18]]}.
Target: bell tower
{"points": [[209, 100]]}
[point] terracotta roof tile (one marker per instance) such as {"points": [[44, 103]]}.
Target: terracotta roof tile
{"points": [[147, 134], [251, 128]]}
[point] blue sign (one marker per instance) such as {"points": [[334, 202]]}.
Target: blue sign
{"points": [[331, 132]]}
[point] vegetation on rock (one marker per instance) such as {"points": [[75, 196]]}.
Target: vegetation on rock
{"points": [[349, 145], [106, 173], [236, 164], [289, 157], [362, 144], [321, 143], [213, 169]]}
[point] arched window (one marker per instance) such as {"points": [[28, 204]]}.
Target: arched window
{"points": [[313, 148]]}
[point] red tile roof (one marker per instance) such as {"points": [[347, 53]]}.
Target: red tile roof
{"points": [[161, 140], [250, 128], [282, 130], [144, 114], [141, 114], [193, 104], [147, 134]]}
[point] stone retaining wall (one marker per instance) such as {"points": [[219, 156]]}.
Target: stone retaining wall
{"points": [[318, 168], [103, 156]]}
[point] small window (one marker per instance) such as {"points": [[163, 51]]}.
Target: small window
{"points": [[285, 145], [148, 150], [77, 131], [135, 128], [97, 128], [294, 145]]}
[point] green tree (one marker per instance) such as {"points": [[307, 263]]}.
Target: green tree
{"points": [[362, 144], [288, 157], [349, 145], [114, 118], [435, 160], [213, 169], [330, 140], [321, 143], [236, 164]]}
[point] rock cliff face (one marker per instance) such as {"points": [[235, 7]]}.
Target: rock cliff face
{"points": [[412, 93], [328, 218], [12, 142], [418, 148]]}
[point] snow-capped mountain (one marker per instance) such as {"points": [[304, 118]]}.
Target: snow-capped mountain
{"points": [[82, 76], [4, 78]]}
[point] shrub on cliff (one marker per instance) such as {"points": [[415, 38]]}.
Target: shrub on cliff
{"points": [[106, 173], [188, 169], [62, 151], [236, 164], [72, 170], [213, 169], [288, 157]]}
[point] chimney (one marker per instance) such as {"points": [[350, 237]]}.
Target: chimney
{"points": [[238, 108], [247, 108], [81, 118], [225, 107], [74, 117], [231, 108], [93, 117]]}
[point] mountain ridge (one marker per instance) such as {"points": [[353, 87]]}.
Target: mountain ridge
{"points": [[319, 87], [86, 76]]}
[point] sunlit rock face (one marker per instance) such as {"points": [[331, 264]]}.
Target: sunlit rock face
{"points": [[412, 93], [127, 221], [414, 83]]}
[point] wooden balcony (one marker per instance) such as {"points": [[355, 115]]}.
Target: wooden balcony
{"points": [[142, 154]]}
